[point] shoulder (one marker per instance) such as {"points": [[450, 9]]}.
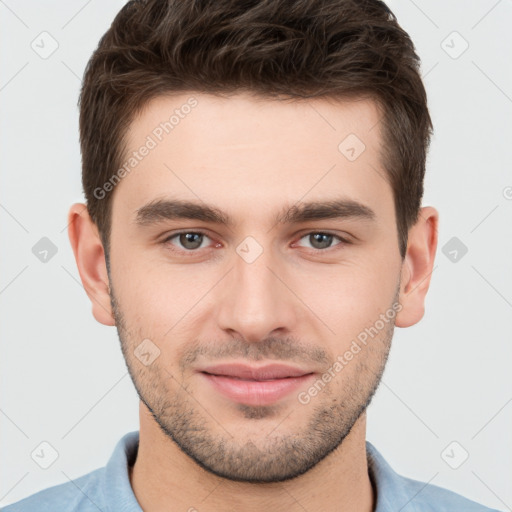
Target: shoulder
{"points": [[83, 494], [397, 492], [432, 498], [105, 488]]}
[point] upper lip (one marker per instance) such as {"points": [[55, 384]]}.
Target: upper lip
{"points": [[265, 372]]}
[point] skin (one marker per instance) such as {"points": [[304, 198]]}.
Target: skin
{"points": [[297, 302]]}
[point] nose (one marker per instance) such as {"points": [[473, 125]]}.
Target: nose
{"points": [[257, 300]]}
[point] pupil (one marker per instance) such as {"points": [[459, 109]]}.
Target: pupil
{"points": [[193, 240], [322, 236], [187, 240]]}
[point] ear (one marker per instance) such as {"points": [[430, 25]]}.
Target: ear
{"points": [[417, 267], [90, 260]]}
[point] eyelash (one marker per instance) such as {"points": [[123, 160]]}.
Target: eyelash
{"points": [[343, 241]]}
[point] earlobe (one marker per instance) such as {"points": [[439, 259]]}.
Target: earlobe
{"points": [[90, 260], [417, 267]]}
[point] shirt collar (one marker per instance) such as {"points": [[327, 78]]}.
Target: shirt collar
{"points": [[387, 485], [391, 490], [117, 491]]}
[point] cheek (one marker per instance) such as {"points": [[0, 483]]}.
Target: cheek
{"points": [[160, 301], [144, 281], [349, 297]]}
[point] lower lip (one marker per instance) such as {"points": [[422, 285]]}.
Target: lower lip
{"points": [[252, 392]]}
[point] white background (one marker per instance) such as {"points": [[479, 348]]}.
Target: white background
{"points": [[63, 378]]}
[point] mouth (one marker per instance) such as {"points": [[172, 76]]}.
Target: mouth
{"points": [[249, 385]]}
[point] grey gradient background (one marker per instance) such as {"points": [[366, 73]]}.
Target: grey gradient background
{"points": [[63, 378]]}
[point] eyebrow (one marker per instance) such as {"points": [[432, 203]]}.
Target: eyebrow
{"points": [[175, 209]]}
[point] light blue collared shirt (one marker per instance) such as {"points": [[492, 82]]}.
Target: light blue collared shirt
{"points": [[108, 489]]}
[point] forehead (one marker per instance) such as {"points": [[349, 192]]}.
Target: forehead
{"points": [[253, 152], [248, 119]]}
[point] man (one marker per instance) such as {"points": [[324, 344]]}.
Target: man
{"points": [[253, 174]]}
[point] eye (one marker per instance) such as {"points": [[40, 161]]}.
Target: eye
{"points": [[188, 241], [192, 241], [321, 241]]}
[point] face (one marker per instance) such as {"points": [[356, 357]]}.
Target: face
{"points": [[256, 321]]}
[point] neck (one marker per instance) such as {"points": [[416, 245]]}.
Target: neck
{"points": [[165, 478]]}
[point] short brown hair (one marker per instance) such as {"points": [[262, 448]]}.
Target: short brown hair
{"points": [[293, 48]]}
